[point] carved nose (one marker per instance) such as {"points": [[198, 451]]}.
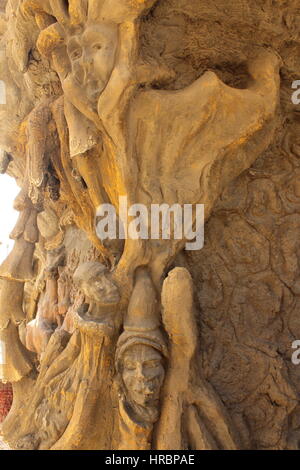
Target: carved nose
{"points": [[87, 63], [140, 372]]}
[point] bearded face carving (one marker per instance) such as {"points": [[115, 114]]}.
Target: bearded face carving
{"points": [[143, 374]]}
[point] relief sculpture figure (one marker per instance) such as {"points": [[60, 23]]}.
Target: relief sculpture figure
{"points": [[139, 339]]}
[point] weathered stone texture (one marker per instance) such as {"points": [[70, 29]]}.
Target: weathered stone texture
{"points": [[6, 398], [142, 344]]}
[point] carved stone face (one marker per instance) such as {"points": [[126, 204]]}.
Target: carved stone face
{"points": [[92, 55], [143, 374], [101, 289]]}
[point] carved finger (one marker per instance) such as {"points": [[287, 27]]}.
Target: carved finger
{"points": [[31, 7], [199, 436], [178, 311], [94, 9], [60, 11], [125, 10], [210, 406], [50, 39], [78, 10]]}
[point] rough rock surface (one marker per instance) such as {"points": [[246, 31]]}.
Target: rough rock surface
{"points": [[142, 344], [6, 399], [3, 446]]}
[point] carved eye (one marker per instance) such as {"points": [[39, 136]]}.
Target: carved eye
{"points": [[75, 55], [151, 364], [97, 47]]}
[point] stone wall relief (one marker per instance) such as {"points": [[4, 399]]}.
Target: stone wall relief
{"points": [[118, 362]]}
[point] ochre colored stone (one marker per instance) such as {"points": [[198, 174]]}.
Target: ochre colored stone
{"points": [[142, 344]]}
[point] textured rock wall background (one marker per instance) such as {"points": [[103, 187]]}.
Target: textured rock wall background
{"points": [[246, 279], [247, 274]]}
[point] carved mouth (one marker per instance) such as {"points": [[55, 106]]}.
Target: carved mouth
{"points": [[146, 392], [92, 87]]}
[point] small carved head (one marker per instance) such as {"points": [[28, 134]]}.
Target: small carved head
{"points": [[91, 52], [140, 363], [141, 351], [93, 279], [143, 374]]}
